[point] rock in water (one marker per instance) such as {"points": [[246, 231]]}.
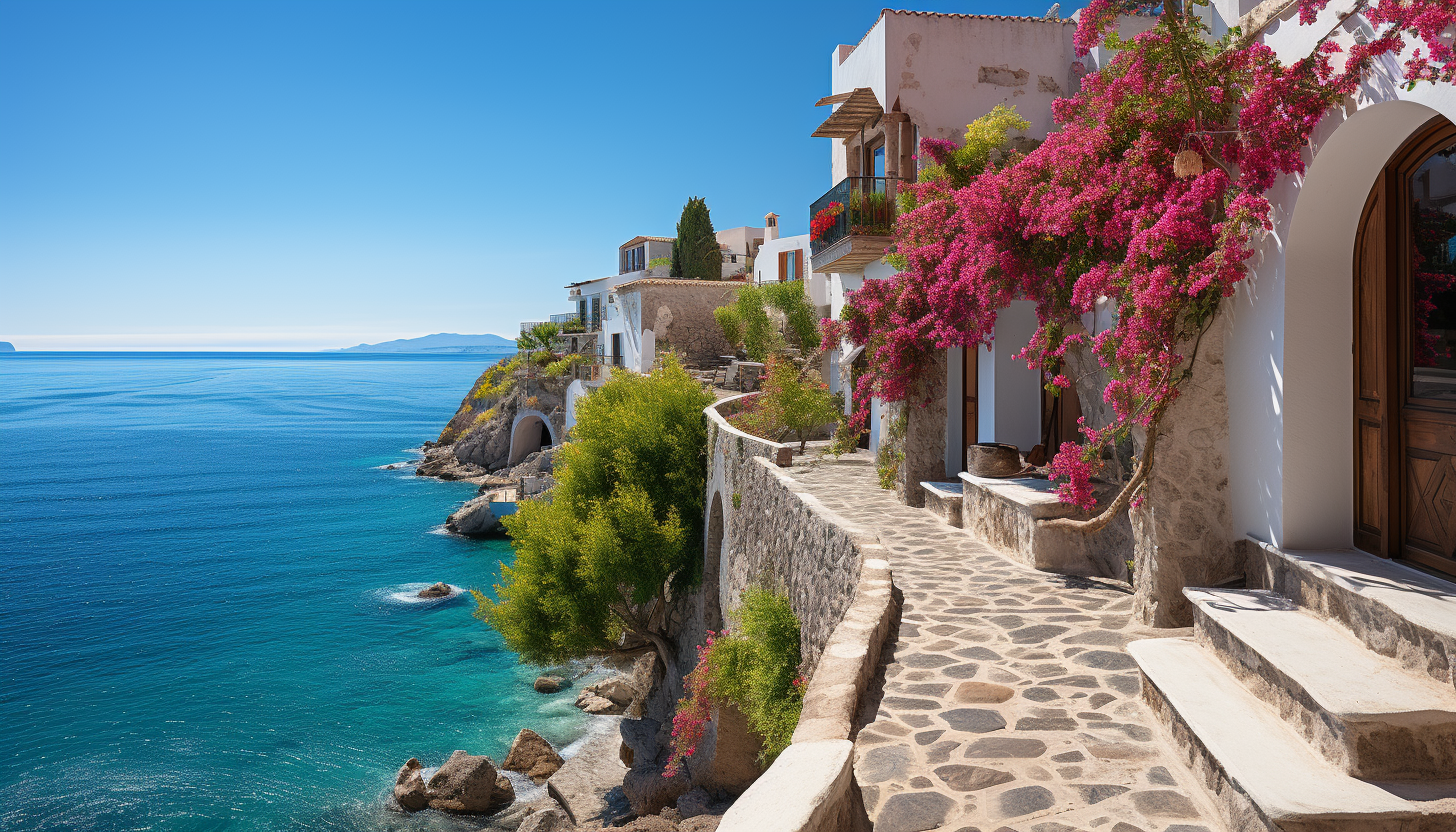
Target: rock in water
{"points": [[440, 590], [617, 689], [547, 820], [468, 783], [474, 519], [549, 684], [596, 705], [409, 787], [533, 756]]}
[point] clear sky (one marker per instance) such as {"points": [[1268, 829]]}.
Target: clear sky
{"points": [[312, 174]]}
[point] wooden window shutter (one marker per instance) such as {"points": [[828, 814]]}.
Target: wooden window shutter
{"points": [[783, 266]]}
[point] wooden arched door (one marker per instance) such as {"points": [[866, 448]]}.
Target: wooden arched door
{"points": [[1405, 355]]}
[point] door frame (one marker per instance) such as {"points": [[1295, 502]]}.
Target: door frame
{"points": [[1392, 188]]}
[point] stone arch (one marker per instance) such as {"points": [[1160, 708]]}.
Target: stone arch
{"points": [[714, 543], [531, 431], [1314, 389]]}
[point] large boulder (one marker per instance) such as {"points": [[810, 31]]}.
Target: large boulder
{"points": [[617, 689], [695, 802], [466, 783], [438, 590], [597, 705], [649, 792], [547, 820], [549, 684], [474, 519], [409, 787], [639, 740], [532, 756]]}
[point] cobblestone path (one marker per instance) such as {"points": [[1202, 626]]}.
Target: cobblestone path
{"points": [[1008, 700]]}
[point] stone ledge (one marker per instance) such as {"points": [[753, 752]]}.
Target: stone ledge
{"points": [[809, 788], [944, 500], [1007, 514]]}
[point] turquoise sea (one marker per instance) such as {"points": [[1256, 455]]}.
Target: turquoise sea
{"points": [[205, 581]]}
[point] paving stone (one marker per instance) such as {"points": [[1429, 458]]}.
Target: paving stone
{"points": [[901, 703], [915, 720], [884, 763], [1074, 682], [1069, 757], [927, 737], [941, 751], [1021, 748], [1167, 804], [1097, 700], [1037, 633], [913, 812], [920, 783], [972, 778], [1024, 801], [1099, 792], [1035, 723], [926, 660], [962, 671], [982, 692], [1041, 694], [1159, 776], [974, 720], [1106, 660]]}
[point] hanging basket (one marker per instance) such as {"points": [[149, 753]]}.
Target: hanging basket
{"points": [[1187, 163]]}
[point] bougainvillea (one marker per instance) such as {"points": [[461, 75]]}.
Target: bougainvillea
{"points": [[1094, 218]]}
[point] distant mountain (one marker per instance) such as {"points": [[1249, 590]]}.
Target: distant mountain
{"points": [[6, 346], [441, 342]]}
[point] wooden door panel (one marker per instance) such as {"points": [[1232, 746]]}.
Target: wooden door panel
{"points": [[1372, 353]]}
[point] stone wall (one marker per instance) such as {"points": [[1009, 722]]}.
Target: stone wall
{"points": [[924, 444], [680, 314], [774, 532], [1183, 531], [840, 585]]}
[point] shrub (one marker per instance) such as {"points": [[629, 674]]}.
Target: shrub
{"points": [[754, 667], [891, 451], [746, 323], [497, 380], [537, 338], [788, 403], [483, 417], [595, 564], [696, 254]]}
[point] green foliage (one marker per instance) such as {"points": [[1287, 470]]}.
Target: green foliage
{"points": [[756, 667], [986, 138], [727, 318], [695, 251], [789, 403], [498, 380], [624, 525], [659, 261], [538, 338], [892, 449], [746, 322], [737, 500]]}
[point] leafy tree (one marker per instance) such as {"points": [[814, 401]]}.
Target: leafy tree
{"points": [[746, 322], [540, 337], [695, 251], [789, 403], [623, 526]]}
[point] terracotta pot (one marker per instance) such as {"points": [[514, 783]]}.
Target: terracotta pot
{"points": [[992, 459]]}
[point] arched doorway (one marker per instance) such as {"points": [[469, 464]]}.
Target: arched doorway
{"points": [[712, 563], [1405, 355], [530, 432]]}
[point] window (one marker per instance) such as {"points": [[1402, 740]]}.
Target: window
{"points": [[634, 259], [791, 265]]}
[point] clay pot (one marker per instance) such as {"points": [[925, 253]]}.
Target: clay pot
{"points": [[992, 459]]}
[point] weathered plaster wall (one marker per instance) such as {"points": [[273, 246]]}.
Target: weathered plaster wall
{"points": [[679, 313], [1009, 393]]}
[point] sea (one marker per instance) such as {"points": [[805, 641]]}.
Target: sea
{"points": [[208, 576]]}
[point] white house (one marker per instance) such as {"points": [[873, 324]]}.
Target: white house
{"points": [[926, 74]]}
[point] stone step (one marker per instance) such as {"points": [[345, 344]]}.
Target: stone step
{"points": [[1365, 713], [1395, 610], [1262, 774]]}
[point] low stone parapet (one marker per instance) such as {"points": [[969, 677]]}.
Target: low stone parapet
{"points": [[1006, 513], [944, 499]]}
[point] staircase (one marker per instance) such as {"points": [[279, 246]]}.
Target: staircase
{"points": [[1323, 701]]}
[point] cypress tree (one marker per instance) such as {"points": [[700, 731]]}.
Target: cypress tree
{"points": [[695, 252]]}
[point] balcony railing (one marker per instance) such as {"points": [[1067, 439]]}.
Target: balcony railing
{"points": [[869, 209]]}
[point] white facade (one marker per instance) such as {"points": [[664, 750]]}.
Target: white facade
{"points": [[1289, 362]]}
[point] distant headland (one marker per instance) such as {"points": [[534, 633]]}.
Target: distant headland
{"points": [[443, 342], [6, 346]]}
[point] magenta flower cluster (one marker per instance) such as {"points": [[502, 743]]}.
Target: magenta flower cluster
{"points": [[1095, 217]]}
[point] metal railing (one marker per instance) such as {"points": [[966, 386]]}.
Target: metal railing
{"points": [[868, 207]]}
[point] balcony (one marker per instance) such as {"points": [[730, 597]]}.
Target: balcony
{"points": [[861, 232]]}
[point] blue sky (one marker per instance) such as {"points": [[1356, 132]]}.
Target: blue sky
{"points": [[310, 174]]}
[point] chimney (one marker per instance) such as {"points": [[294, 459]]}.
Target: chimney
{"points": [[770, 227]]}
